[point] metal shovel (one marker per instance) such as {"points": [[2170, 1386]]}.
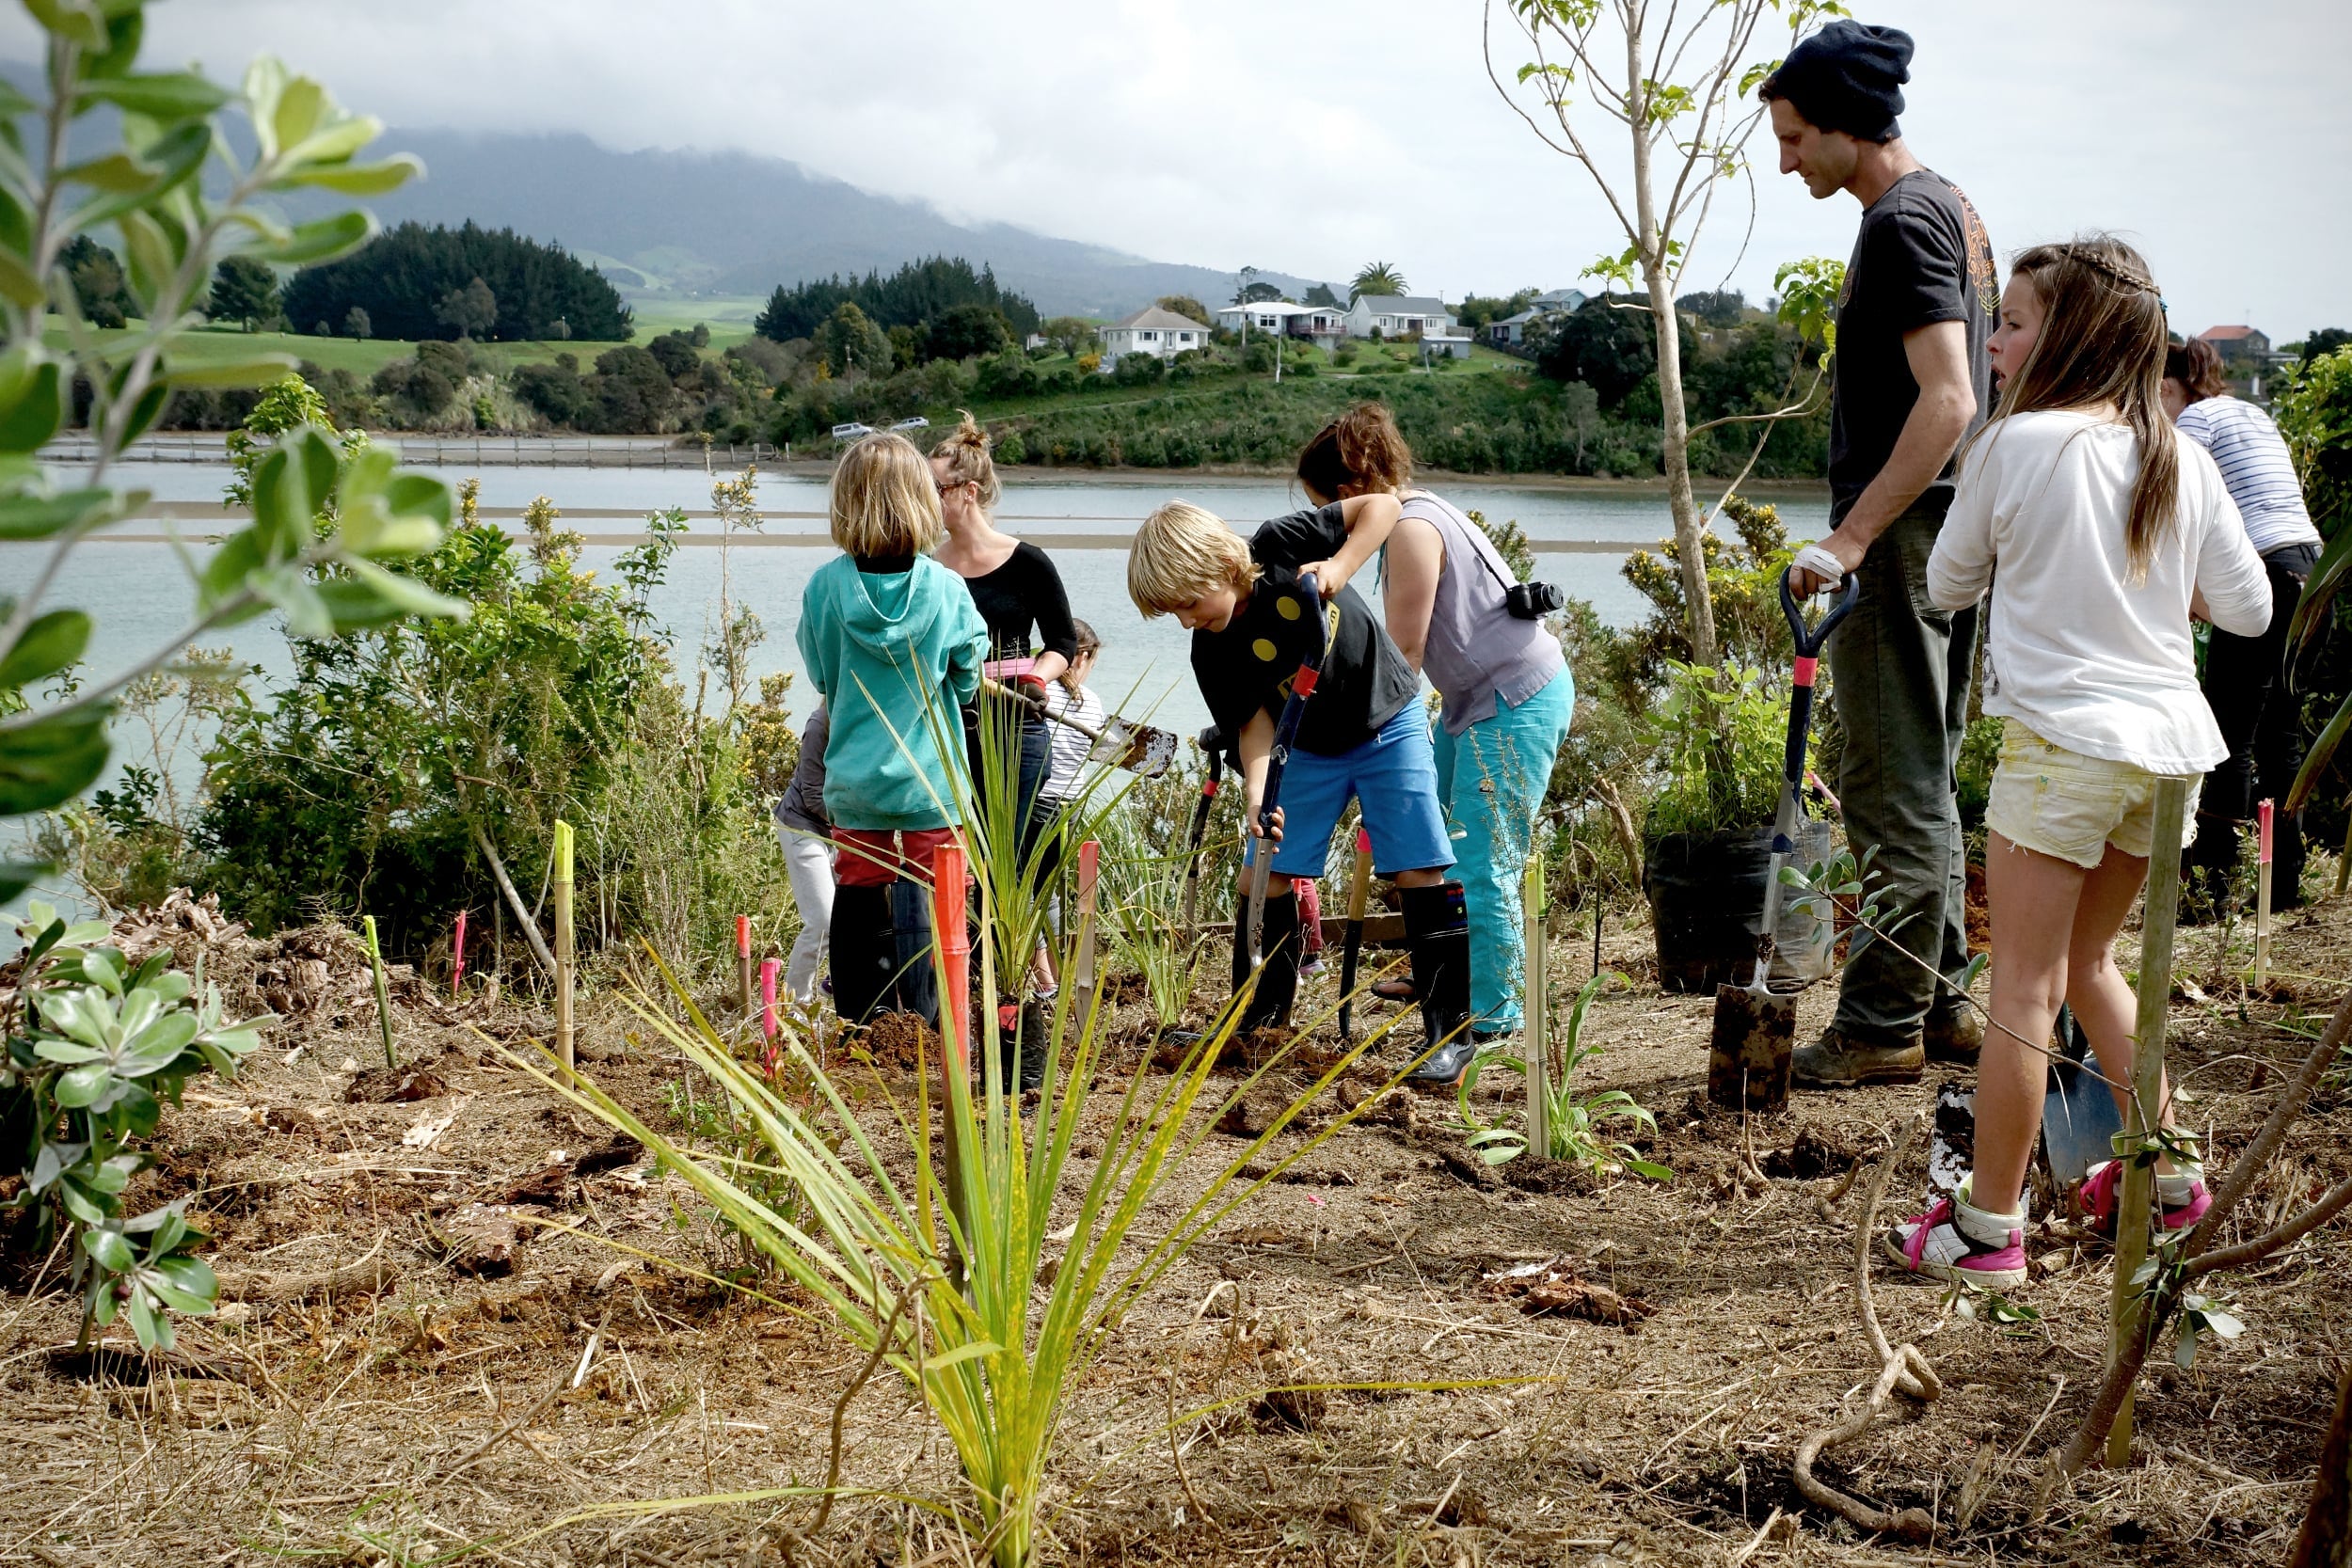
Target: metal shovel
{"points": [[2078, 1117], [1755, 1028], [1118, 743]]}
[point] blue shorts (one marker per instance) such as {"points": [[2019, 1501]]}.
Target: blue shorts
{"points": [[1394, 777]]}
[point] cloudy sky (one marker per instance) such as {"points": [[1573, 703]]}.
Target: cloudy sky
{"points": [[1314, 136]]}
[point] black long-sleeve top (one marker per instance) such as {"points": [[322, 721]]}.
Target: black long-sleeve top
{"points": [[1025, 594]]}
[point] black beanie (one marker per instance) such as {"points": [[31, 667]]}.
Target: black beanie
{"points": [[1848, 77]]}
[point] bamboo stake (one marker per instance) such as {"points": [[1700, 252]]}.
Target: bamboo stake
{"points": [[563, 893], [383, 998], [1538, 1016], [2145, 1112], [457, 958], [767, 1024], [2262, 897]]}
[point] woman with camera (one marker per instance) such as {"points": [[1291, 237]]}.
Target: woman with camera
{"points": [[1459, 614]]}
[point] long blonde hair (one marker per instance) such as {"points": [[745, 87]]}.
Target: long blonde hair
{"points": [[966, 451], [883, 502], [2102, 340]]}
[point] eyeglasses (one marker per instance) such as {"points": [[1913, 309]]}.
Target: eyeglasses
{"points": [[947, 490]]}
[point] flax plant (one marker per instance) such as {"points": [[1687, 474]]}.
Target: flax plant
{"points": [[944, 1272]]}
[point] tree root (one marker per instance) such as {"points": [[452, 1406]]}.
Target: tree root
{"points": [[1902, 1368]]}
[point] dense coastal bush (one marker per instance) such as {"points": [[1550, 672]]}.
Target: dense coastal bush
{"points": [[417, 281], [927, 295]]}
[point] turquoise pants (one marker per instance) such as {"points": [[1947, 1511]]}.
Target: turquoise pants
{"points": [[1492, 779]]}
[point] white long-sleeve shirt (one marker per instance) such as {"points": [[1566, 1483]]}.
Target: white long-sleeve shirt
{"points": [[2078, 654]]}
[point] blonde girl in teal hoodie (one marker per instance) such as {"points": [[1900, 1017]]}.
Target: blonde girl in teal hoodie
{"points": [[891, 638]]}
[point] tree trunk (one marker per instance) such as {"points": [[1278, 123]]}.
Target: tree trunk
{"points": [[2326, 1539], [1699, 606]]}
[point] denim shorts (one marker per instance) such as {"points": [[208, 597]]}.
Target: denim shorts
{"points": [[2070, 806], [1394, 776]]}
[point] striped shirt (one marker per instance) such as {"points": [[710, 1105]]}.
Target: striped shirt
{"points": [[2254, 463], [1068, 763]]}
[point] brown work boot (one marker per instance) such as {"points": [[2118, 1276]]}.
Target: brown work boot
{"points": [[1954, 1033], [1839, 1061]]}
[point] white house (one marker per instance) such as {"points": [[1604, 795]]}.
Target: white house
{"points": [[1316, 323], [1152, 330], [1398, 316]]}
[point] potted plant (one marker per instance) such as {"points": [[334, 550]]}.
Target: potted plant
{"points": [[1721, 736]]}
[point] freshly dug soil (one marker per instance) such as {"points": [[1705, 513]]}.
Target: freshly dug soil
{"points": [[463, 1312]]}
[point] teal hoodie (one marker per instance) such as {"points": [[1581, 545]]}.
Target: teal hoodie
{"points": [[884, 647]]}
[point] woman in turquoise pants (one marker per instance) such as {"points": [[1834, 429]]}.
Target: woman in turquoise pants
{"points": [[1505, 687]]}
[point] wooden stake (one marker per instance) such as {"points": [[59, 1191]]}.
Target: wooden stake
{"points": [[2262, 897], [383, 998], [1538, 1016], [563, 897], [2144, 1113], [743, 955], [1089, 864]]}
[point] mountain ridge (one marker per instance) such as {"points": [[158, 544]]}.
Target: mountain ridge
{"points": [[737, 223]]}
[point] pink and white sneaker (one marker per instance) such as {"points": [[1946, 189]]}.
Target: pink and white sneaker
{"points": [[2182, 1199], [1960, 1244]]}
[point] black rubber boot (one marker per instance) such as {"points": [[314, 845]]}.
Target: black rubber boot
{"points": [[1277, 984], [917, 980], [864, 953], [1436, 931], [1021, 1045]]}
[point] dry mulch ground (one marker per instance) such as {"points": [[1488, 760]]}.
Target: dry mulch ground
{"points": [[436, 1335]]}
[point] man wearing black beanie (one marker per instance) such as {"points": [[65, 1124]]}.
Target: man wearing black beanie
{"points": [[1912, 380]]}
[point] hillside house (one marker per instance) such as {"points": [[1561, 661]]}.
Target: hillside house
{"points": [[2242, 348], [1511, 331], [1152, 330], [1316, 323], [1398, 316]]}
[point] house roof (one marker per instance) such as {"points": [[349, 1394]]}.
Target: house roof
{"points": [[1571, 298], [1403, 305], [2226, 334], [1524, 316], [1152, 319]]}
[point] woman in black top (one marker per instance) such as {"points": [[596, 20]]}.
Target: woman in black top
{"points": [[1017, 593]]}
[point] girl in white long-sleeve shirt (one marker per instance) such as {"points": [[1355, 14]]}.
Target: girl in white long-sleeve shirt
{"points": [[2110, 530]]}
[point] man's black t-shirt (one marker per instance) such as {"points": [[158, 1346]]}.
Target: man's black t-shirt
{"points": [[1922, 256], [1249, 665], [1025, 592]]}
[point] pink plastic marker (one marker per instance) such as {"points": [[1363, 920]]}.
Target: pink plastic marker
{"points": [[768, 969], [2262, 820], [457, 953]]}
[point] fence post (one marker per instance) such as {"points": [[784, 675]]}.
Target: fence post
{"points": [[1538, 1011], [563, 899], [2144, 1113]]}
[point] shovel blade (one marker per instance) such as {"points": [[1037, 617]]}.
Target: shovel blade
{"points": [[1748, 1057], [2078, 1122]]}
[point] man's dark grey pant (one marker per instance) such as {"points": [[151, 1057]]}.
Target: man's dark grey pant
{"points": [[1899, 668]]}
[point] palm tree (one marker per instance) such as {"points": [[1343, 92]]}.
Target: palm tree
{"points": [[1380, 278]]}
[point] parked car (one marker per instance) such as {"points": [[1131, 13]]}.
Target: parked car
{"points": [[852, 431], [918, 422]]}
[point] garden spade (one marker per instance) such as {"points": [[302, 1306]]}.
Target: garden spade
{"points": [[1213, 750], [1352, 945], [1755, 1028], [1137, 747], [1320, 629], [2078, 1117]]}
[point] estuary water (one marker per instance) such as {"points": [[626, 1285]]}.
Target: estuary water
{"points": [[132, 581]]}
